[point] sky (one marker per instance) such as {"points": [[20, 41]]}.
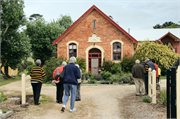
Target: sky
{"points": [[137, 15]]}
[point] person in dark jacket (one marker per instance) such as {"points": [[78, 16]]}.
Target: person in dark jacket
{"points": [[138, 76], [37, 74], [70, 75]]}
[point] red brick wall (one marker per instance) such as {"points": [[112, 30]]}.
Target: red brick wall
{"points": [[105, 30]]}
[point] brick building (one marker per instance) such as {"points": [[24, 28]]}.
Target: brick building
{"points": [[95, 37], [171, 40]]}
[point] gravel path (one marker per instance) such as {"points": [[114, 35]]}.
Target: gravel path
{"points": [[98, 102]]}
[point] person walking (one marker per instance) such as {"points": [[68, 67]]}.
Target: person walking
{"points": [[59, 82], [70, 76], [37, 74], [138, 76], [78, 94]]}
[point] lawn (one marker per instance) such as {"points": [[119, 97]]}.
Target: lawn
{"points": [[4, 82]]}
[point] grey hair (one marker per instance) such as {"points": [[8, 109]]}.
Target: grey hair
{"points": [[64, 63], [137, 61], [72, 60], [38, 62]]}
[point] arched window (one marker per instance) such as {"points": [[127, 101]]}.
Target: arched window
{"points": [[72, 50], [116, 51]]}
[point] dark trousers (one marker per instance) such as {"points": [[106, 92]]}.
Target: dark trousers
{"points": [[36, 92], [146, 83], [59, 92]]}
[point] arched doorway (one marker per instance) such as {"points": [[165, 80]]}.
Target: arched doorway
{"points": [[94, 58]]}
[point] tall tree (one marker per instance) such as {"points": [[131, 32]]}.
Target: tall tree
{"points": [[14, 45], [42, 34]]}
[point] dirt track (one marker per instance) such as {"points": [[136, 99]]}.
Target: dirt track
{"points": [[98, 102]]}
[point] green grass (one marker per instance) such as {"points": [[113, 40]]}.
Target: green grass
{"points": [[7, 81], [162, 77]]}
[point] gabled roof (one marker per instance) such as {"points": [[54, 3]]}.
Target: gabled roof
{"points": [[170, 35], [66, 32]]}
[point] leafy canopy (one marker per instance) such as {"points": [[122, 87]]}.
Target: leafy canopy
{"points": [[15, 46], [42, 34], [162, 54]]}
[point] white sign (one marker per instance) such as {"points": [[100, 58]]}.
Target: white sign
{"points": [[94, 38]]}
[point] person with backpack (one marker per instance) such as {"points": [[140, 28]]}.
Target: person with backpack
{"points": [[59, 82]]}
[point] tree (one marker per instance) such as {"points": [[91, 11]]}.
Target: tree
{"points": [[15, 46], [169, 24], [164, 56], [42, 34]]}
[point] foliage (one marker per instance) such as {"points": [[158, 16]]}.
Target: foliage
{"points": [[163, 98], [25, 65], [42, 34], [106, 75], [2, 97], [92, 81], [147, 99], [50, 65], [126, 78], [127, 63], [115, 77], [169, 24], [15, 45], [82, 64], [164, 56], [111, 67]]}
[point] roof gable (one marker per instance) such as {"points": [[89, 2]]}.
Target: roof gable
{"points": [[66, 32], [169, 34]]}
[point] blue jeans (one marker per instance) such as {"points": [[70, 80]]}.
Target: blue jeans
{"points": [[69, 89]]}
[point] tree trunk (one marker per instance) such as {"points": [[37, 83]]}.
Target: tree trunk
{"points": [[6, 71]]}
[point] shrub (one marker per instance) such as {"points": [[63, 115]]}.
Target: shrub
{"points": [[164, 56], [127, 64], [163, 98], [115, 77], [82, 63], [50, 65], [92, 79], [106, 75], [111, 67], [147, 99], [2, 97], [126, 78]]}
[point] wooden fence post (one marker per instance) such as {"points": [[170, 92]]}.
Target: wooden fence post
{"points": [[149, 82], [178, 92], [153, 87], [23, 89]]}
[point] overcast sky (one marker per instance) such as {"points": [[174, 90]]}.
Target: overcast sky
{"points": [[138, 15]]}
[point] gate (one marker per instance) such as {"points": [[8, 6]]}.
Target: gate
{"points": [[171, 91]]}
